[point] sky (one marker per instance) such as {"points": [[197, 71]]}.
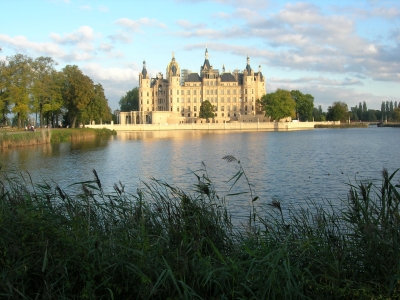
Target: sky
{"points": [[334, 50]]}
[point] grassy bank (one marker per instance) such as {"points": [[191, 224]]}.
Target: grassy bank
{"points": [[166, 243], [44, 136], [352, 125]]}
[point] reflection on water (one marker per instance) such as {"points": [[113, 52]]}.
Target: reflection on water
{"points": [[291, 166]]}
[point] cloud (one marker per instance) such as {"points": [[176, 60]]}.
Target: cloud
{"points": [[136, 25], [106, 47], [99, 73], [82, 38], [82, 35], [23, 45], [122, 37], [189, 25], [103, 8], [86, 7], [319, 81], [236, 3]]}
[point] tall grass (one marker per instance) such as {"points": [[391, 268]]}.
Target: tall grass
{"points": [[166, 243], [45, 136]]}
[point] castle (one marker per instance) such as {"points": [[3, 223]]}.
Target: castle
{"points": [[178, 97]]}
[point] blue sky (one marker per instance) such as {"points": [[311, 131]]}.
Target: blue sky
{"points": [[335, 50]]}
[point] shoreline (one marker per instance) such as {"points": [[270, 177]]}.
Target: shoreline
{"points": [[47, 136]]}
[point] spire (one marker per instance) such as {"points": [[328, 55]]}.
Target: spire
{"points": [[259, 68], [206, 53], [223, 68], [144, 71], [248, 68]]}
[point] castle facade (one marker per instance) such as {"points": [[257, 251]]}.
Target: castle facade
{"points": [[177, 97]]}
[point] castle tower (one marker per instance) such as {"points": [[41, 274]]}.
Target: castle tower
{"points": [[173, 77]]}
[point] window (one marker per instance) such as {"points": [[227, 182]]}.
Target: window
{"points": [[222, 114], [222, 99], [147, 94], [222, 108], [194, 92], [222, 92], [245, 108], [195, 114], [188, 92], [188, 114], [188, 108], [207, 92], [234, 108], [195, 108], [229, 108], [229, 92], [188, 100], [252, 91], [177, 92], [177, 109], [194, 100], [229, 99], [234, 92], [147, 101], [182, 92], [245, 91]]}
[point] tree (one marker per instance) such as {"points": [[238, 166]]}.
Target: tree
{"points": [[383, 111], [4, 100], [77, 92], [18, 83], [97, 109], [396, 114], [304, 105], [337, 112], [278, 105], [46, 89], [130, 101], [206, 110]]}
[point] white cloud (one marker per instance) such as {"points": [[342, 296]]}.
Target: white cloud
{"points": [[23, 45], [85, 7], [99, 73], [122, 37], [82, 35], [136, 25], [103, 8]]}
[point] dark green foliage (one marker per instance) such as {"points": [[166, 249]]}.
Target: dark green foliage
{"points": [[338, 112], [130, 101], [278, 105], [304, 105], [165, 243], [206, 110]]}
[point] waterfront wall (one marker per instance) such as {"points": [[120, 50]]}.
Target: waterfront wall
{"points": [[260, 126]]}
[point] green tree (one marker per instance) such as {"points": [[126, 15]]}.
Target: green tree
{"points": [[18, 83], [304, 105], [337, 112], [4, 100], [278, 105], [206, 110], [77, 92], [383, 111], [46, 89], [130, 101], [97, 109], [396, 114]]}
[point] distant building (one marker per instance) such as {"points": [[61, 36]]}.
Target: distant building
{"points": [[178, 97]]}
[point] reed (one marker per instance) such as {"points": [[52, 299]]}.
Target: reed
{"points": [[162, 242], [45, 136], [352, 125]]}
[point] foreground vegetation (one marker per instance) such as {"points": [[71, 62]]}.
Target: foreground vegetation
{"points": [[166, 243], [345, 125], [44, 136]]}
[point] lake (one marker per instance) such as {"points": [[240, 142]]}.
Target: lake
{"points": [[291, 166]]}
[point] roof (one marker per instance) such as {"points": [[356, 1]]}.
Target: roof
{"points": [[193, 77], [227, 77]]}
